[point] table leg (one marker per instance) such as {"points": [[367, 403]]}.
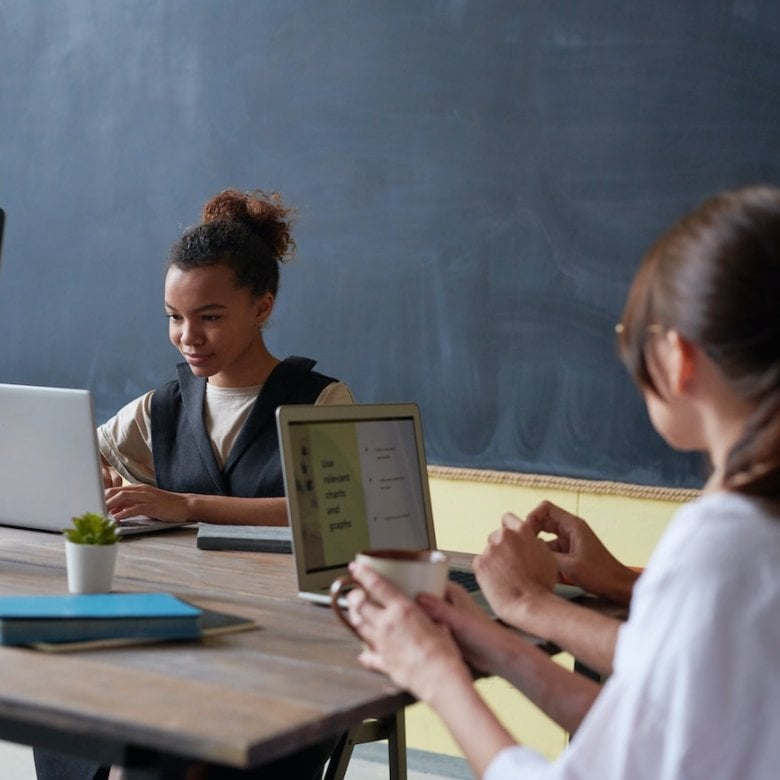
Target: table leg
{"points": [[392, 728]]}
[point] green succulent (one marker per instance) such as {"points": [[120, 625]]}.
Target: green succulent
{"points": [[91, 528]]}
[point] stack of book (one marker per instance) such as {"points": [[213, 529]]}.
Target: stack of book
{"points": [[77, 620]]}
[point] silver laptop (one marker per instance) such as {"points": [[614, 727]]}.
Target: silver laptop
{"points": [[49, 461], [355, 479]]}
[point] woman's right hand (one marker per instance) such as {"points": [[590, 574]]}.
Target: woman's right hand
{"points": [[582, 558], [128, 501], [400, 639]]}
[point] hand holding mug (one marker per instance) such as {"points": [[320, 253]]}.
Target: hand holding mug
{"points": [[411, 571]]}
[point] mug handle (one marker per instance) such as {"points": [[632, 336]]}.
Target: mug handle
{"points": [[336, 589]]}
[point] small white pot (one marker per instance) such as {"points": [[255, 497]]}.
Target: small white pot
{"points": [[90, 567]]}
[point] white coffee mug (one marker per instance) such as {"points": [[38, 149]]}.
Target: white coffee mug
{"points": [[411, 571]]}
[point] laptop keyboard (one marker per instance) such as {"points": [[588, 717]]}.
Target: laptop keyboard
{"points": [[464, 578], [134, 522]]}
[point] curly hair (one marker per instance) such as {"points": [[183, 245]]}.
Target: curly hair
{"points": [[250, 232]]}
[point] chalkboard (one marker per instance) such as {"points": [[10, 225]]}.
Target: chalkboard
{"points": [[476, 182]]}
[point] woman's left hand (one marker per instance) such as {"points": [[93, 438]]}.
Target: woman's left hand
{"points": [[138, 499], [401, 640], [516, 571]]}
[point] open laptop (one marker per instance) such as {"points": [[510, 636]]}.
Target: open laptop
{"points": [[355, 479], [49, 461]]}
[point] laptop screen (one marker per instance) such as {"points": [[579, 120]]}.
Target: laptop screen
{"points": [[50, 460], [48, 451], [358, 483]]}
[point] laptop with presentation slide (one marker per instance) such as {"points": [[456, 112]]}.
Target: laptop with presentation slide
{"points": [[355, 479], [49, 460]]}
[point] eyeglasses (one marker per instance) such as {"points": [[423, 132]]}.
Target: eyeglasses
{"points": [[655, 329]]}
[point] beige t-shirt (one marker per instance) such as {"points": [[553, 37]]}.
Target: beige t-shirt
{"points": [[126, 439]]}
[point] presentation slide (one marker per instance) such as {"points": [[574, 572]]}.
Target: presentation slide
{"points": [[359, 487]]}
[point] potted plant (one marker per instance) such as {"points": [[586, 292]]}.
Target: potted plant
{"points": [[90, 553]]}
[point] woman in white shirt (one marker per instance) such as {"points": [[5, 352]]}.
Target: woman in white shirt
{"points": [[694, 687]]}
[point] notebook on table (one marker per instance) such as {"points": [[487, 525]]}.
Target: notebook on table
{"points": [[83, 617], [49, 460], [61, 623], [244, 538]]}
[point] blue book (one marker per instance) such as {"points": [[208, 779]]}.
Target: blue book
{"points": [[77, 618]]}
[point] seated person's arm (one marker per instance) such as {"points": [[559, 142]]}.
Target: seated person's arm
{"points": [[518, 571], [125, 445], [589, 636], [492, 649], [131, 500], [420, 655], [581, 556]]}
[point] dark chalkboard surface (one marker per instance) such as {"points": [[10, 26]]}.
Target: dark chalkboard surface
{"points": [[476, 182]]}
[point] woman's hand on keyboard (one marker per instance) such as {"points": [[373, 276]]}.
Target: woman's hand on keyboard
{"points": [[516, 572], [138, 499]]}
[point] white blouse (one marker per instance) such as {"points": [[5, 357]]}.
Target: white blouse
{"points": [[695, 692]]}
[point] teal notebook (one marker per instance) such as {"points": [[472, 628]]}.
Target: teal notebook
{"points": [[211, 623], [72, 618]]}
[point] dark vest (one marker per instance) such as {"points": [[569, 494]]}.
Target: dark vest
{"points": [[183, 459]]}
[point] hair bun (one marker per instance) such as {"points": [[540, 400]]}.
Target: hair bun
{"points": [[228, 205], [262, 212]]}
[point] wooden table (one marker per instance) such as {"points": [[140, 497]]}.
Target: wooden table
{"points": [[238, 699]]}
